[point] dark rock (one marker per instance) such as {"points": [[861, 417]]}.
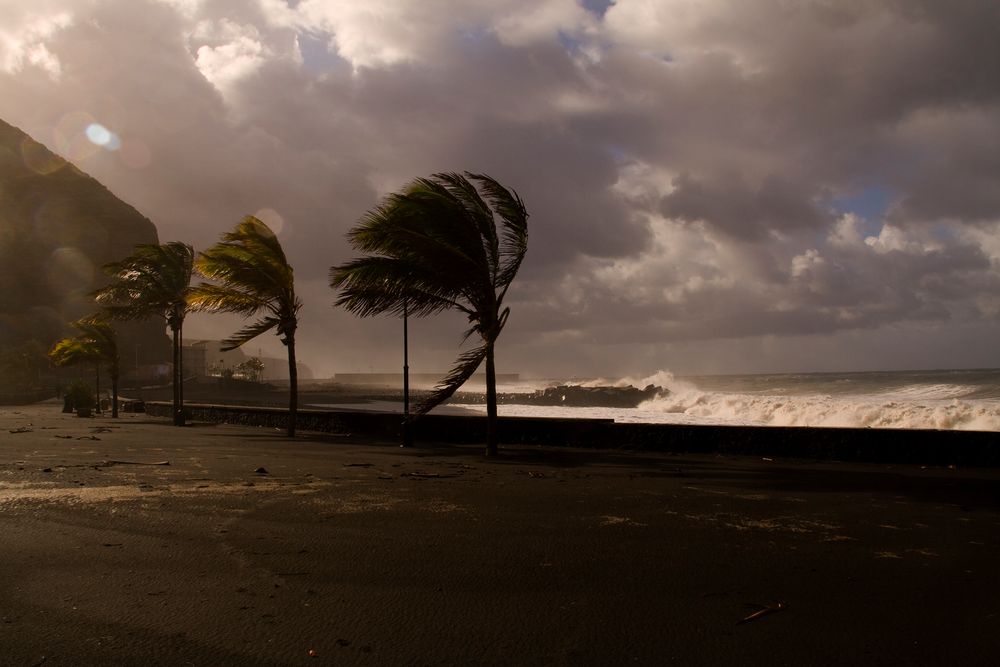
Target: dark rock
{"points": [[578, 396]]}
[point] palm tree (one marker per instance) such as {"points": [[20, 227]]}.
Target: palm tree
{"points": [[155, 280], [254, 279], [435, 246], [95, 343]]}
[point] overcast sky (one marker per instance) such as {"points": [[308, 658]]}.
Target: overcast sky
{"points": [[714, 185]]}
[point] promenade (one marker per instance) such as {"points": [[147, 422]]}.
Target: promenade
{"points": [[133, 542]]}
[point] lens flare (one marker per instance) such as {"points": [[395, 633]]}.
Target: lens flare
{"points": [[70, 138], [103, 137], [38, 159], [98, 134], [271, 218], [69, 270]]}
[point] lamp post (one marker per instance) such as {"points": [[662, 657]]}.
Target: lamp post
{"points": [[407, 435]]}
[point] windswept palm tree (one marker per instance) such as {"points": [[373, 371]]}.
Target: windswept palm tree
{"points": [[435, 246], [96, 343], [155, 280], [255, 280]]}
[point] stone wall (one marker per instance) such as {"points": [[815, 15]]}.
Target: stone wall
{"points": [[964, 448]]}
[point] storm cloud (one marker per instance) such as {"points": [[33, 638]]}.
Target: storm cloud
{"points": [[717, 185]]}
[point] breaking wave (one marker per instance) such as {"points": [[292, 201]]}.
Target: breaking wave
{"points": [[959, 400]]}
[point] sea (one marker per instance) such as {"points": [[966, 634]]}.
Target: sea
{"points": [[936, 399]]}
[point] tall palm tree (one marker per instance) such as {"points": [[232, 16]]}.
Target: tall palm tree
{"points": [[435, 246], [155, 280], [255, 280], [96, 342]]}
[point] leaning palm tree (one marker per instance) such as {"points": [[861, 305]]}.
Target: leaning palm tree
{"points": [[154, 281], [96, 343], [435, 246], [255, 280]]}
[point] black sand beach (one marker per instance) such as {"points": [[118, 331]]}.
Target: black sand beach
{"points": [[364, 553]]}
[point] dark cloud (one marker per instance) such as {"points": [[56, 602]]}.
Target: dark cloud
{"points": [[734, 207], [689, 168]]}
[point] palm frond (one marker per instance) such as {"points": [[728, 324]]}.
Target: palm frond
{"points": [[207, 297], [514, 219], [476, 211], [72, 351], [465, 367], [251, 275], [376, 285], [418, 224], [249, 332], [96, 341], [153, 280]]}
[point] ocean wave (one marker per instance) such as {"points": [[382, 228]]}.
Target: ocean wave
{"points": [[930, 400], [919, 392], [859, 411]]}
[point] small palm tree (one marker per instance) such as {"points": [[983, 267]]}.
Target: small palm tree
{"points": [[96, 343], [435, 246], [254, 279], [155, 280]]}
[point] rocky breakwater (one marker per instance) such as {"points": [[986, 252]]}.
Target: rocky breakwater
{"points": [[574, 396]]}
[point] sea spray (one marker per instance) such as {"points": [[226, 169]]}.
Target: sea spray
{"points": [[959, 400], [856, 411]]}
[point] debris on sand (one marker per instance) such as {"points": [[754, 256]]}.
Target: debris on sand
{"points": [[764, 610], [107, 464], [425, 475]]}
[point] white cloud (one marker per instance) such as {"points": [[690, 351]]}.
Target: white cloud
{"points": [[894, 239], [525, 23], [385, 33], [377, 33], [806, 263], [845, 232], [24, 41], [240, 53]]}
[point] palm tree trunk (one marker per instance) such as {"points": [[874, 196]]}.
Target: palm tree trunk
{"points": [[114, 392], [180, 373], [97, 387], [176, 331], [293, 386], [491, 402]]}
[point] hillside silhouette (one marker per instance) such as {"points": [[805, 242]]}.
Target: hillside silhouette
{"points": [[58, 227]]}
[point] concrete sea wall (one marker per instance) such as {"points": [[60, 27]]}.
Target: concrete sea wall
{"points": [[964, 448]]}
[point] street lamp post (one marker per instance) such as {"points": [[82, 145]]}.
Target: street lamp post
{"points": [[407, 435]]}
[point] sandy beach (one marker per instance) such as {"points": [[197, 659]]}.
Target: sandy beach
{"points": [[130, 541]]}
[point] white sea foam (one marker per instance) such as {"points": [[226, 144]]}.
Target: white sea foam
{"points": [[859, 411], [855, 400], [930, 392]]}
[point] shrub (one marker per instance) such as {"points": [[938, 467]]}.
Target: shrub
{"points": [[80, 395]]}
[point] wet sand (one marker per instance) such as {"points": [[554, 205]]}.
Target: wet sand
{"points": [[365, 553]]}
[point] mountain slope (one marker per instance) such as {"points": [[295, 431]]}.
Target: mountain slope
{"points": [[58, 226]]}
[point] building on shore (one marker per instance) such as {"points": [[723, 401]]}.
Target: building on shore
{"points": [[206, 358]]}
